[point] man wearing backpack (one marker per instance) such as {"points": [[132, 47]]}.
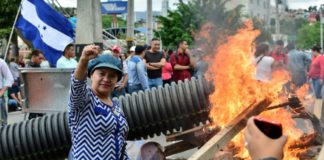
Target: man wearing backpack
{"points": [[181, 63], [137, 80]]}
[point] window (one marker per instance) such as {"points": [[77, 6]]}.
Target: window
{"points": [[251, 1], [258, 2]]}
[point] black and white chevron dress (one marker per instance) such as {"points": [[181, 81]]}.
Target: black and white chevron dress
{"points": [[98, 130]]}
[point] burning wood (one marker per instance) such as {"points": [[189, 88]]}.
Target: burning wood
{"points": [[208, 150], [307, 141], [189, 139]]}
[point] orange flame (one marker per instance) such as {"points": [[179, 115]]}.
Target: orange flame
{"points": [[233, 72]]}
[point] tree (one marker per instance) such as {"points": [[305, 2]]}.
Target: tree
{"points": [[210, 15], [8, 11], [308, 36], [290, 27], [107, 20]]}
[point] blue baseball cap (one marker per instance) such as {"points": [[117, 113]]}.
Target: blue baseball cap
{"points": [[105, 61]]}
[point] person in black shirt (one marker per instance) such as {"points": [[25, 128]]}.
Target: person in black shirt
{"points": [[37, 56], [154, 60], [14, 97]]}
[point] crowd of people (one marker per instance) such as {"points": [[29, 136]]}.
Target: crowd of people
{"points": [[146, 66], [303, 67]]}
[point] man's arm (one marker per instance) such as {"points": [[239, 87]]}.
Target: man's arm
{"points": [[142, 75], [180, 67], [9, 80], [14, 97], [158, 64], [123, 83], [3, 90], [175, 65], [321, 63], [125, 76], [149, 67]]}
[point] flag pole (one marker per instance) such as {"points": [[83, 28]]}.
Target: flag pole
{"points": [[11, 33]]}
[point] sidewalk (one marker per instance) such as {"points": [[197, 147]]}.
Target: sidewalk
{"points": [[15, 117]]}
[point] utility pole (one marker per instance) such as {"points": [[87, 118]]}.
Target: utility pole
{"points": [[89, 26], [149, 22], [130, 23], [277, 19]]}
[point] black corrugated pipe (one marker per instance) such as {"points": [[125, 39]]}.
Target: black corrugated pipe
{"points": [[151, 112], [45, 137]]}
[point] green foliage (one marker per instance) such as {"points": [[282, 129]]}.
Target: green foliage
{"points": [[8, 11], [308, 36], [107, 20], [185, 22], [290, 27]]}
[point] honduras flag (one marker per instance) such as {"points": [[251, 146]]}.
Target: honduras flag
{"points": [[47, 29]]}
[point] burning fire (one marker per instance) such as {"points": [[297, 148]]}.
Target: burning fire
{"points": [[236, 88]]}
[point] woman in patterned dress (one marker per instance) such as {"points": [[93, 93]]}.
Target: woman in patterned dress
{"points": [[98, 125]]}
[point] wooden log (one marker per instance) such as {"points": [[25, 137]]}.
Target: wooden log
{"points": [[216, 143], [198, 131], [178, 147], [190, 138], [181, 135]]}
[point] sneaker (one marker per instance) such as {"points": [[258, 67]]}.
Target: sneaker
{"points": [[18, 109]]}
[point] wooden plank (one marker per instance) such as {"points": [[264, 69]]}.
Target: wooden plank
{"points": [[216, 143], [196, 131], [180, 135], [178, 147]]}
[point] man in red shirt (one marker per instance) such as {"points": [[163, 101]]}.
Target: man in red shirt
{"points": [[316, 72], [180, 62], [279, 54]]}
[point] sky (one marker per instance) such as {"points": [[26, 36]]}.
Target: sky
{"points": [[140, 5]]}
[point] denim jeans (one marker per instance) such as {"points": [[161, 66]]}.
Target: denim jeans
{"points": [[13, 103], [156, 82], [317, 88], [3, 112], [135, 88]]}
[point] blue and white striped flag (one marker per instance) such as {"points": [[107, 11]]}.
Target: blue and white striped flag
{"points": [[47, 29]]}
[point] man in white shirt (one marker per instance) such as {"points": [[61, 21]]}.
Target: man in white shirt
{"points": [[67, 60], [13, 66], [6, 81]]}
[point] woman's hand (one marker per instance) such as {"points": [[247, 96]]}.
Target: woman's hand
{"points": [[260, 146], [90, 52]]}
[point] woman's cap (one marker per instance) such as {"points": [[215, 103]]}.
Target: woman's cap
{"points": [[105, 61]]}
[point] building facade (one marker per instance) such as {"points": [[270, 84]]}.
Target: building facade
{"points": [[165, 7], [259, 9]]}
